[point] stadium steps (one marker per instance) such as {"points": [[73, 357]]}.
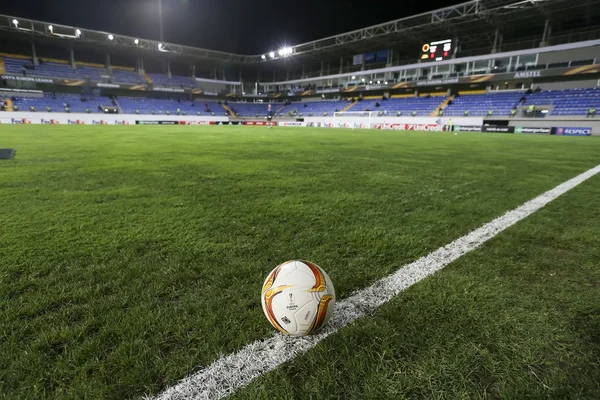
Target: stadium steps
{"points": [[148, 79], [349, 106], [9, 105], [118, 105], [229, 110], [442, 106], [280, 109], [2, 67]]}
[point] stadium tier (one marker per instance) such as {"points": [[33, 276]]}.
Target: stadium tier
{"points": [[130, 105], [175, 80], [567, 101], [125, 76], [252, 109], [59, 101], [500, 104], [316, 108], [423, 106], [18, 66]]}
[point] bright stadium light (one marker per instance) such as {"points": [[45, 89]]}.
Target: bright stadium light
{"points": [[77, 33], [353, 77], [263, 57], [272, 54], [51, 28], [136, 41], [386, 82], [286, 51], [363, 79], [370, 82], [378, 82], [14, 21], [160, 46], [110, 37]]}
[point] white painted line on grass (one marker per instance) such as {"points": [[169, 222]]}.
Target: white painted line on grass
{"points": [[236, 370]]}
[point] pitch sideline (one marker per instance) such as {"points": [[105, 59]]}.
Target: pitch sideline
{"points": [[238, 369]]}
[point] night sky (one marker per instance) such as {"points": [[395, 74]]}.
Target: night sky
{"points": [[238, 26]]}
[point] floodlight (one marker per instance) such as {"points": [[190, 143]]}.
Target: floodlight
{"points": [[286, 51], [272, 54], [363, 79], [385, 82], [50, 28], [378, 82], [370, 82], [160, 46], [263, 57], [110, 37], [136, 41], [353, 77], [14, 21], [77, 33]]}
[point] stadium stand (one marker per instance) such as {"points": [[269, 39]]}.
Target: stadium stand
{"points": [[175, 80], [59, 101], [422, 106], [251, 109], [500, 104], [316, 108], [125, 76], [130, 105], [18, 66], [567, 101]]}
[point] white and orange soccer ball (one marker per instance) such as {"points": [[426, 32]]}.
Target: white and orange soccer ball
{"points": [[298, 298]]}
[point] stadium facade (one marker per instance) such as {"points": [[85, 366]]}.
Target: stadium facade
{"points": [[514, 55]]}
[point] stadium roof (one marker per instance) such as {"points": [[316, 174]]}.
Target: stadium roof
{"points": [[476, 24]]}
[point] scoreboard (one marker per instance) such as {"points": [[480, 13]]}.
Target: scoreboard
{"points": [[437, 51]]}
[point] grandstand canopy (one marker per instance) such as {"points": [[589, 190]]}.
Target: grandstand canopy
{"points": [[476, 24]]}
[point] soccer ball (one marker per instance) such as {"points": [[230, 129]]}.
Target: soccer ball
{"points": [[298, 298]]}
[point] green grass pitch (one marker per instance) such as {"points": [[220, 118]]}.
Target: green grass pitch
{"points": [[132, 256]]}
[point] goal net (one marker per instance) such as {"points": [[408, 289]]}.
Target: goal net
{"points": [[354, 119]]}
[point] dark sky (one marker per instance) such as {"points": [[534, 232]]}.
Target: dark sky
{"points": [[238, 26]]}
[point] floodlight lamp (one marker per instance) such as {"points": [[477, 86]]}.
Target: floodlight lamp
{"points": [[353, 77], [363, 79], [160, 45], [272, 54], [385, 82], [50, 28], [263, 57], [110, 37], [370, 82], [77, 33], [281, 52], [136, 41], [14, 21], [378, 82]]}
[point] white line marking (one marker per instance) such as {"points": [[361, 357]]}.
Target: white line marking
{"points": [[236, 370]]}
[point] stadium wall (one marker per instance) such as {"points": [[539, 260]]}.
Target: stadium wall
{"points": [[96, 119], [594, 124], [587, 83], [470, 121]]}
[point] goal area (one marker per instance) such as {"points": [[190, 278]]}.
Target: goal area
{"points": [[354, 119]]}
